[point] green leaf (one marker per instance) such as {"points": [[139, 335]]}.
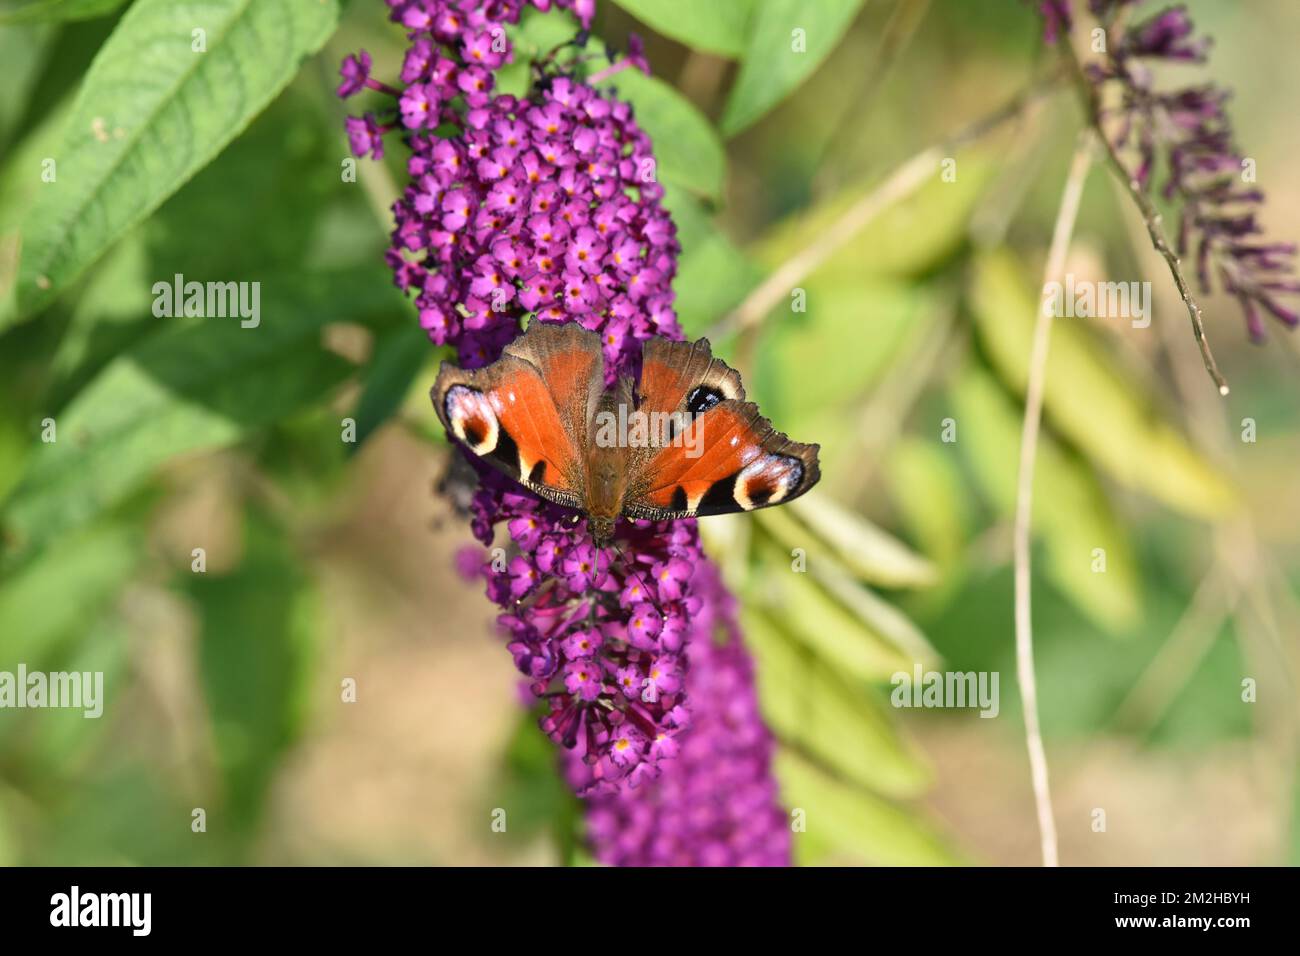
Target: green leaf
{"points": [[15, 446], [61, 590], [926, 487], [192, 387], [788, 39], [23, 51], [399, 356], [870, 553], [909, 237], [20, 184], [713, 275], [285, 171], [112, 817], [416, 407], [875, 315], [861, 636], [62, 739], [255, 626], [686, 147], [9, 844], [151, 113], [716, 26], [52, 11], [1071, 514], [810, 706], [110, 315], [1088, 399], [530, 785], [854, 826]]}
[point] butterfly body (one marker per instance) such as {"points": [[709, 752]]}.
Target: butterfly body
{"points": [[680, 442], [606, 478]]}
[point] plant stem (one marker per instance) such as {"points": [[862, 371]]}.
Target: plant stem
{"points": [[1150, 215], [1061, 234]]}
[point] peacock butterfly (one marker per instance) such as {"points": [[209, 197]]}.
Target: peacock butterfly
{"points": [[680, 443]]}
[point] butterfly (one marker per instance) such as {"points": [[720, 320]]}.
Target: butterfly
{"points": [[681, 442]]}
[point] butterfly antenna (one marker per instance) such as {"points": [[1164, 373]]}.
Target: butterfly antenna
{"points": [[639, 580]]}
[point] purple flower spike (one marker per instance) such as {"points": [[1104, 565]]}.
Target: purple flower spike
{"points": [[612, 674], [540, 206], [715, 803], [1187, 132]]}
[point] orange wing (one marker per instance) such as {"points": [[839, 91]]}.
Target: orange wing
{"points": [[730, 459], [684, 376], [527, 413], [723, 455]]}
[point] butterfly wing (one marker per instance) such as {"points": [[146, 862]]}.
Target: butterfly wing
{"points": [[527, 413], [684, 377], [727, 459]]}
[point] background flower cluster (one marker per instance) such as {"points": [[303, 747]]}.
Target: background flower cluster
{"points": [[1183, 133]]}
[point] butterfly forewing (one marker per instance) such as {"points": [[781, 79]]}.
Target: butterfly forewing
{"points": [[527, 413], [569, 360], [684, 377]]}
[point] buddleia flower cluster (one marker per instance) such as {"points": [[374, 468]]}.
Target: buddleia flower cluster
{"points": [[602, 642], [546, 207], [1178, 140], [717, 805]]}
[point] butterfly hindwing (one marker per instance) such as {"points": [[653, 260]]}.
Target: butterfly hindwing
{"points": [[726, 457], [730, 459], [527, 413]]}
